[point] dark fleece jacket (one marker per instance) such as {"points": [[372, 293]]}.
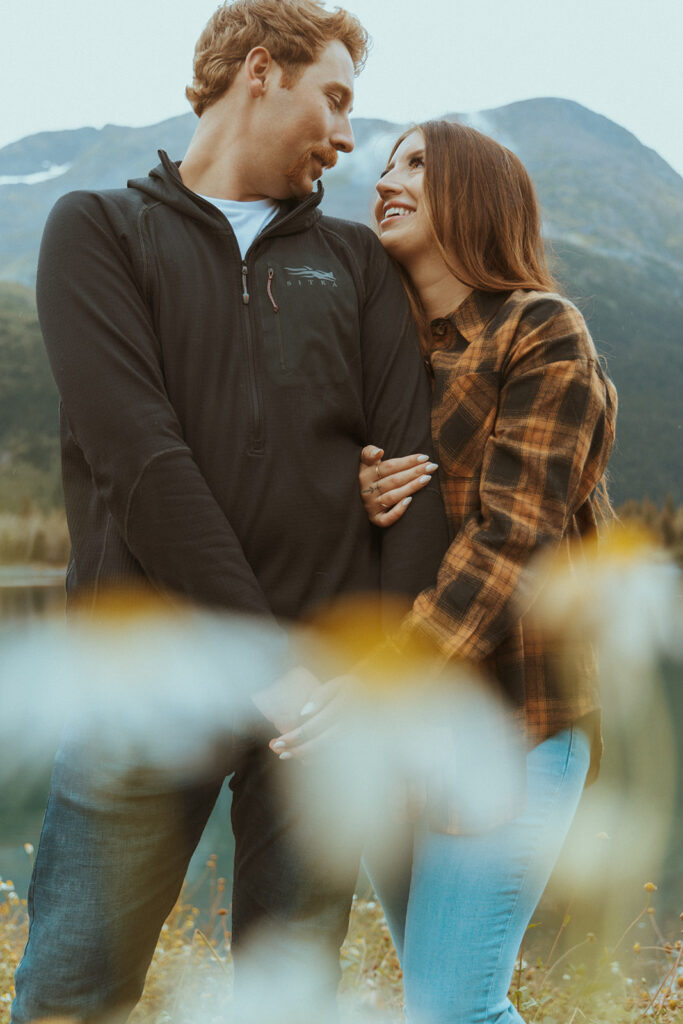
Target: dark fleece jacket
{"points": [[214, 408]]}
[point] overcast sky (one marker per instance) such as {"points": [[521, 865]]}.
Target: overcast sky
{"points": [[69, 63]]}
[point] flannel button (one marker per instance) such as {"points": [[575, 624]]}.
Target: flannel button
{"points": [[439, 327]]}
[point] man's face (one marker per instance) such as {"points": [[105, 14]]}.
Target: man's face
{"points": [[303, 128]]}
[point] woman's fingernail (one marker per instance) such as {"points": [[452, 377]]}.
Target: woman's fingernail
{"points": [[423, 458], [406, 501], [307, 709], [425, 479], [286, 756], [375, 451], [278, 746], [431, 467]]}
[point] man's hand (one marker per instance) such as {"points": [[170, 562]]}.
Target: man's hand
{"points": [[282, 702], [320, 720]]}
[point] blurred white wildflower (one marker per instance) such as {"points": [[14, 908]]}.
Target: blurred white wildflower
{"points": [[613, 607], [620, 595], [153, 685], [300, 988], [408, 745]]}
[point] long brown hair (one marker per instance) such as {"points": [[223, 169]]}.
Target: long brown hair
{"points": [[486, 222], [483, 212]]}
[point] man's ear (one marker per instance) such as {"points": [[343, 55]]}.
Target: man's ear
{"points": [[258, 65]]}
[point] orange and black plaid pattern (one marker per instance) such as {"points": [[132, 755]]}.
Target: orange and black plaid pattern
{"points": [[523, 423]]}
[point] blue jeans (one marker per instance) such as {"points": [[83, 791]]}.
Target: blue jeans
{"points": [[112, 857], [459, 912]]}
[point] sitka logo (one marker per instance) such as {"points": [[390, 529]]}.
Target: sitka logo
{"points": [[310, 274]]}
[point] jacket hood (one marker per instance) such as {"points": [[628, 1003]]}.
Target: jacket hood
{"points": [[165, 185]]}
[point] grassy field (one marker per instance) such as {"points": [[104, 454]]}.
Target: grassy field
{"points": [[590, 982], [33, 537]]}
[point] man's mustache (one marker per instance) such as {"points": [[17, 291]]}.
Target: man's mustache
{"points": [[327, 155]]}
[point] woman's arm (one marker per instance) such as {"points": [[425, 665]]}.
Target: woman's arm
{"points": [[545, 454]]}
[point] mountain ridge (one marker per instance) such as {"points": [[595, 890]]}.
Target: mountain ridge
{"points": [[613, 215]]}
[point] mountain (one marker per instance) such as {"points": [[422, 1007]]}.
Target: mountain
{"points": [[613, 214]]}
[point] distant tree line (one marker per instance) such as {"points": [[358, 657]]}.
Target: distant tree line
{"points": [[34, 536]]}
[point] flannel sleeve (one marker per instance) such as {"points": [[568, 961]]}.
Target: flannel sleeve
{"points": [[542, 459]]}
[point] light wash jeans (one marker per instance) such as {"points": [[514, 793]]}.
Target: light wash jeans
{"points": [[458, 916]]}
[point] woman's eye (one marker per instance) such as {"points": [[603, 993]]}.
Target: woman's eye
{"points": [[416, 161]]}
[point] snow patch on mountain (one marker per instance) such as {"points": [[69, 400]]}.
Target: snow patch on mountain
{"points": [[53, 171]]}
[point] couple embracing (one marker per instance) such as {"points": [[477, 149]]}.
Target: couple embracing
{"points": [[247, 388]]}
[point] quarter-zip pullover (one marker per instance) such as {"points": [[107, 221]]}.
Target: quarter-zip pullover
{"points": [[213, 408]]}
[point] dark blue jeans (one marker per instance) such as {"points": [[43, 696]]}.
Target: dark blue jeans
{"points": [[112, 857]]}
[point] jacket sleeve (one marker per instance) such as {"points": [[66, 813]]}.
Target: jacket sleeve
{"points": [[545, 455], [397, 399], [107, 363]]}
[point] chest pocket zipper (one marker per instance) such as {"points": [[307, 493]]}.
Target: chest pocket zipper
{"points": [[276, 309], [256, 441]]}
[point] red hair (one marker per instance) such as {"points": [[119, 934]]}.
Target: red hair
{"points": [[293, 31]]}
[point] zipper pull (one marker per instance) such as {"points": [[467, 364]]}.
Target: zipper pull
{"points": [[271, 274], [245, 290]]}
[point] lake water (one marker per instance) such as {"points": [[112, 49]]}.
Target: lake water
{"points": [[27, 592]]}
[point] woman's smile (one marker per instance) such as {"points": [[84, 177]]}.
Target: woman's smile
{"points": [[393, 210]]}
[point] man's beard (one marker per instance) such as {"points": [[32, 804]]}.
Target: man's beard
{"points": [[298, 172]]}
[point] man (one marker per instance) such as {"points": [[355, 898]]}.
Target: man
{"points": [[223, 353]]}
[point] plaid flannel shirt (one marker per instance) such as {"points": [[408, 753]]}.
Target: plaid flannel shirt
{"points": [[523, 422]]}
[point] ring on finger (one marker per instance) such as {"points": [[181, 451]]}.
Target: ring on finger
{"points": [[379, 475], [384, 507]]}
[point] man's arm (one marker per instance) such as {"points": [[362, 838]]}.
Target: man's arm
{"points": [[107, 364], [397, 400]]}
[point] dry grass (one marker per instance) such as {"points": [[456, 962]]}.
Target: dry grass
{"points": [[622, 983], [34, 537]]}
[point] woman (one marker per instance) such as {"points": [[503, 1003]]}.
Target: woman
{"points": [[523, 423]]}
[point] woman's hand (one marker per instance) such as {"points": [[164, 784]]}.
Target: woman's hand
{"points": [[281, 703], [387, 487], [321, 720]]}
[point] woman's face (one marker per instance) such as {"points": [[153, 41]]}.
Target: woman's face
{"points": [[404, 228]]}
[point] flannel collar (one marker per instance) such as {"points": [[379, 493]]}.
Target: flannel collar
{"points": [[471, 317]]}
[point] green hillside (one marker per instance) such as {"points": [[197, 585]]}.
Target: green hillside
{"points": [[635, 312], [29, 449], [646, 462]]}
